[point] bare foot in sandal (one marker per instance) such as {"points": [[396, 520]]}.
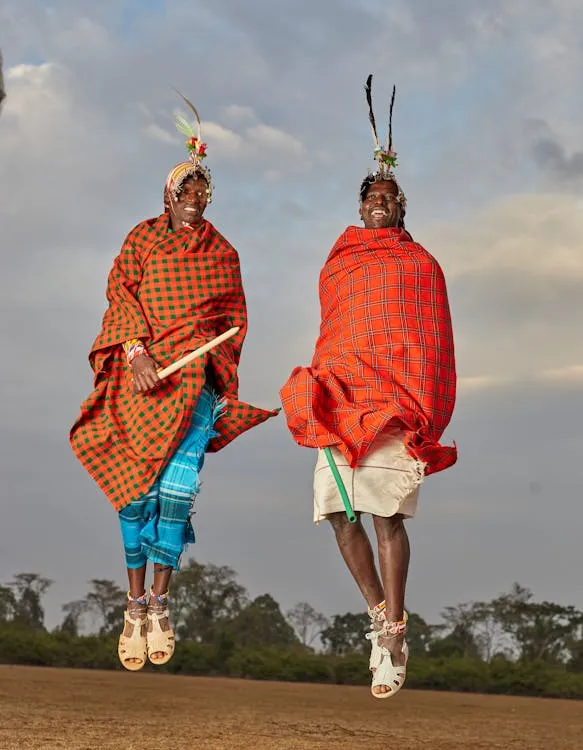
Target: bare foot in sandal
{"points": [[389, 654], [132, 647], [160, 636]]}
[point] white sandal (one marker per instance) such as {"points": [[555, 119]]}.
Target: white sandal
{"points": [[159, 641], [133, 646], [388, 675], [381, 663], [376, 614]]}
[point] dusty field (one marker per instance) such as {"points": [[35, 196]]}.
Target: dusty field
{"points": [[42, 709]]}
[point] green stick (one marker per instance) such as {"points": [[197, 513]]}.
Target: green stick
{"points": [[340, 484]]}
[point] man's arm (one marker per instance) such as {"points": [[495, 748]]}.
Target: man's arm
{"points": [[124, 318]]}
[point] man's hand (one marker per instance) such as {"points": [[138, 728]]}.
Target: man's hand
{"points": [[144, 372]]}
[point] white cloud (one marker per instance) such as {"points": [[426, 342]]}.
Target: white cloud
{"points": [[258, 143], [266, 136], [35, 89], [224, 140], [567, 375], [530, 234], [159, 134], [481, 383], [514, 272], [238, 115]]}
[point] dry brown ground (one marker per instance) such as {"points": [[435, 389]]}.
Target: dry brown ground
{"points": [[42, 709]]}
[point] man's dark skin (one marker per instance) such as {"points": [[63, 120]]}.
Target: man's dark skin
{"points": [[186, 210], [379, 209]]}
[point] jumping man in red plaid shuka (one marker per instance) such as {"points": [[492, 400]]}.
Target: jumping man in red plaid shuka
{"points": [[379, 394]]}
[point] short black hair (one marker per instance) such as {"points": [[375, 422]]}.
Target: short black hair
{"points": [[369, 180]]}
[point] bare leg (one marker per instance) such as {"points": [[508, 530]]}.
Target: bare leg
{"points": [[162, 575], [394, 555], [137, 581], [354, 546], [136, 610]]}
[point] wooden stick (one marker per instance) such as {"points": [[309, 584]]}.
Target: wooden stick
{"points": [[197, 353]]}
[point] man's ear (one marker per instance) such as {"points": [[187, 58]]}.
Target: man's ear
{"points": [[360, 209]]}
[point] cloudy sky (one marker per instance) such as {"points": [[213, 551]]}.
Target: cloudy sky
{"points": [[487, 126]]}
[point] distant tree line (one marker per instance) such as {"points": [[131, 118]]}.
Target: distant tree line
{"points": [[512, 644]]}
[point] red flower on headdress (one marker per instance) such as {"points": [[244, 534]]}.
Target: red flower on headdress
{"points": [[196, 147]]}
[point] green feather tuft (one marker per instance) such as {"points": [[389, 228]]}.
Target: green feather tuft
{"points": [[184, 127]]}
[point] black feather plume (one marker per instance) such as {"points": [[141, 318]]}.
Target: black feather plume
{"points": [[390, 141], [368, 89]]}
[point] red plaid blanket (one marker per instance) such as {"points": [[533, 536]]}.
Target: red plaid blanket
{"points": [[385, 354], [175, 291]]}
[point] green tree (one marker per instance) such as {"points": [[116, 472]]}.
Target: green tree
{"points": [[307, 623], [462, 622], [540, 630], [575, 645], [346, 634], [28, 590], [419, 634], [107, 601], [261, 623], [7, 604], [74, 613], [205, 598]]}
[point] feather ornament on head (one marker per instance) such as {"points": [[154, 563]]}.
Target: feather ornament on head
{"points": [[196, 153], [384, 155]]}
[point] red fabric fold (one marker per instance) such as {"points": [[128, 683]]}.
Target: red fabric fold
{"points": [[385, 354]]}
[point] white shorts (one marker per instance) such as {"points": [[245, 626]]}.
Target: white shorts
{"points": [[385, 482]]}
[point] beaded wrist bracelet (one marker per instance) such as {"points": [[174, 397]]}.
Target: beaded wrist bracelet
{"points": [[133, 348]]}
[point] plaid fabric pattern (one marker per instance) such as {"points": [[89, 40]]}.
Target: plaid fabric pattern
{"points": [[157, 526], [174, 291], [385, 354]]}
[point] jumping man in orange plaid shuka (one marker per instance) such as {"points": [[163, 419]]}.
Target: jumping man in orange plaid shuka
{"points": [[175, 285], [376, 400]]}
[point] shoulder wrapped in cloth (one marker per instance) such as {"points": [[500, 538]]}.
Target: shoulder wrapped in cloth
{"points": [[174, 291], [385, 355]]}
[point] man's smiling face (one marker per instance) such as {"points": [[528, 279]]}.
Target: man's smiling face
{"points": [[380, 208]]}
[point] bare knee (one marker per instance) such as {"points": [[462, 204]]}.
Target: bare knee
{"points": [[342, 526], [389, 527]]}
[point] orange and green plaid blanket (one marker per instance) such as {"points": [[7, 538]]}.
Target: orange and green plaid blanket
{"points": [[175, 291]]}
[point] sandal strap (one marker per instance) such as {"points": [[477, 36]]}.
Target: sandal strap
{"points": [[160, 598], [137, 599], [392, 628], [395, 628], [378, 612]]}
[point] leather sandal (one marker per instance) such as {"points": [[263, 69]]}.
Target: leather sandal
{"points": [[134, 645], [159, 641]]}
